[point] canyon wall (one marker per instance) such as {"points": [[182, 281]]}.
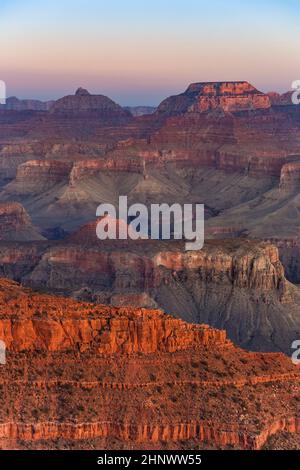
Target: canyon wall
{"points": [[78, 373], [15, 223], [261, 307]]}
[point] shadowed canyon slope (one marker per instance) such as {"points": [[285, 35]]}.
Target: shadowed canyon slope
{"points": [[224, 144], [82, 376], [95, 359], [15, 223], [226, 125], [236, 285]]}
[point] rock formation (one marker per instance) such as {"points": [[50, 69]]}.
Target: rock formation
{"points": [[37, 176], [239, 286], [222, 144], [15, 223], [85, 103], [281, 100], [15, 104], [289, 252], [89, 168], [191, 386], [224, 125], [225, 96], [290, 177], [84, 375], [80, 186]]}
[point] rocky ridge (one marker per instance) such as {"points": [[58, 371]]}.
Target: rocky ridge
{"points": [[146, 364], [207, 96], [15, 104], [85, 103], [15, 223], [239, 286]]}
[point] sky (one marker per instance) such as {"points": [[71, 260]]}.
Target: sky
{"points": [[139, 51]]}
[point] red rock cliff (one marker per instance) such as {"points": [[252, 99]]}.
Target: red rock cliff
{"points": [[78, 374]]}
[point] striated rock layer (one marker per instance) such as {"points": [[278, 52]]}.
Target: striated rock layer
{"points": [[15, 104], [82, 376], [206, 96], [290, 177], [83, 103], [236, 285], [37, 176], [224, 125], [15, 223]]}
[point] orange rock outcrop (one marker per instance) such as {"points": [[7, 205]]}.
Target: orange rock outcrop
{"points": [[79, 375], [290, 177], [191, 285]]}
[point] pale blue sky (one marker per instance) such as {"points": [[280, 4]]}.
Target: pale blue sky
{"points": [[138, 52]]}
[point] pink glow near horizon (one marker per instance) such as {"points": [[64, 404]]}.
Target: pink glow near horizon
{"points": [[49, 51]]}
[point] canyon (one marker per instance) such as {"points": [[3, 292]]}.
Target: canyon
{"points": [[224, 144], [85, 375], [141, 344], [237, 285], [15, 223]]}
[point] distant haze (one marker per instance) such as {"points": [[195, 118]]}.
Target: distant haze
{"points": [[138, 52]]}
